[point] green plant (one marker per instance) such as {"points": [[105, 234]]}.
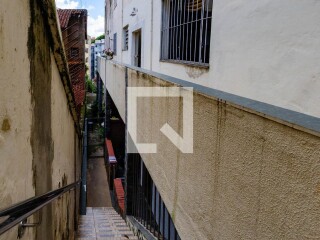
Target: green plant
{"points": [[91, 87], [100, 37], [101, 132]]}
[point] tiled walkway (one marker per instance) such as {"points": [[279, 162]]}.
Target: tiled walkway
{"points": [[103, 223]]}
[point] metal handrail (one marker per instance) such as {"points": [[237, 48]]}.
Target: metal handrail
{"points": [[21, 211], [83, 190]]}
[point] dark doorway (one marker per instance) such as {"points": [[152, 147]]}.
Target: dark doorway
{"points": [[137, 48]]}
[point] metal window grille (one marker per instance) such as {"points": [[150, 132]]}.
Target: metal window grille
{"points": [[74, 52], [147, 206], [125, 38], [186, 31]]}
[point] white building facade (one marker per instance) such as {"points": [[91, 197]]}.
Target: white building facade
{"points": [[262, 50], [99, 47], [88, 55]]}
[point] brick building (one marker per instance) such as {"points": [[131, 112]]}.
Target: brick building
{"points": [[73, 23]]}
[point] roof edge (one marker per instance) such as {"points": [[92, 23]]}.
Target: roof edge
{"points": [[57, 47]]}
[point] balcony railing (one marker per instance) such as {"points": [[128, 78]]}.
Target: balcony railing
{"points": [[147, 206]]}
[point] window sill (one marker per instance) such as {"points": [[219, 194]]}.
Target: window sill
{"points": [[190, 64]]}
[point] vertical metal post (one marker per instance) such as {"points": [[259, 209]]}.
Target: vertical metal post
{"points": [[188, 36], [183, 24], [133, 185], [170, 18], [154, 209], [206, 32], [140, 189], [83, 196], [143, 196], [201, 33], [127, 158], [174, 28], [136, 207], [159, 214], [147, 200], [163, 221], [169, 226]]}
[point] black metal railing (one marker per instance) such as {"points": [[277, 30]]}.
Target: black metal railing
{"points": [[84, 166], [19, 212], [147, 206]]}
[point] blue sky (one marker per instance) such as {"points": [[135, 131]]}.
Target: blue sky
{"points": [[96, 13]]}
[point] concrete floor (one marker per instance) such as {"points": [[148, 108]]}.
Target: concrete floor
{"points": [[98, 194]]}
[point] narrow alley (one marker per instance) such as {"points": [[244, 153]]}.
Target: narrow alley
{"points": [[159, 119], [101, 220]]}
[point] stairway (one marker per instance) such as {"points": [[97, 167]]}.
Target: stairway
{"points": [[103, 224]]}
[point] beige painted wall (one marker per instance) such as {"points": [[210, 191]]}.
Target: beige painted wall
{"points": [[248, 178], [67, 161], [15, 108], [20, 108], [108, 72]]}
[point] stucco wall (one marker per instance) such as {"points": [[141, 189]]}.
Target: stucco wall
{"points": [[15, 108], [109, 73], [248, 178], [264, 50], [39, 146], [67, 161]]}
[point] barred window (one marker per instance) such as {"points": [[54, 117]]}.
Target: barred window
{"points": [[74, 52], [125, 41], [186, 31]]}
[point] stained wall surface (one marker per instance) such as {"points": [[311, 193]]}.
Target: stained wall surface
{"points": [[248, 177], [16, 174], [39, 146], [66, 165]]}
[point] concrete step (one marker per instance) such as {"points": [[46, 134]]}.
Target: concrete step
{"points": [[103, 224]]}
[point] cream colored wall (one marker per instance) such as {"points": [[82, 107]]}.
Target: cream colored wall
{"points": [[263, 50], [248, 178], [15, 108], [108, 72], [66, 162], [17, 175]]}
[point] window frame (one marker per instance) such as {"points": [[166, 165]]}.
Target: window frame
{"points": [[115, 40], [74, 49], [125, 38], [176, 24]]}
